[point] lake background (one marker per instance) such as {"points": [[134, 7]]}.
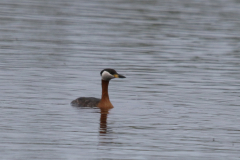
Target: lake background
{"points": [[180, 100]]}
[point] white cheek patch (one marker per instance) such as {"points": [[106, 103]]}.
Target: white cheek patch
{"points": [[106, 76]]}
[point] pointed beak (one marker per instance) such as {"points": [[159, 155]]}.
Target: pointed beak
{"points": [[119, 76]]}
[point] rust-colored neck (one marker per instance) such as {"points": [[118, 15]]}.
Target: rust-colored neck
{"points": [[105, 102], [105, 89]]}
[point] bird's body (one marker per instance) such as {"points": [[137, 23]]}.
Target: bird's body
{"points": [[86, 102], [104, 102]]}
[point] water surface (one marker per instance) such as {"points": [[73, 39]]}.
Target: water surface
{"points": [[180, 99]]}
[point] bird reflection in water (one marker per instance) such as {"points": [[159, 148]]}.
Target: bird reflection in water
{"points": [[106, 135], [103, 129]]}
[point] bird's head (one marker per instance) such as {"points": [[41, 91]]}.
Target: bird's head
{"points": [[108, 74]]}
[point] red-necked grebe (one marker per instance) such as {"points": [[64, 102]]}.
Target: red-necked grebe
{"points": [[106, 74]]}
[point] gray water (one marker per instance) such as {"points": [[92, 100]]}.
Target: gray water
{"points": [[180, 100]]}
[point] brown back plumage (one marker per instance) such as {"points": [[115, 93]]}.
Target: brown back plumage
{"points": [[86, 102]]}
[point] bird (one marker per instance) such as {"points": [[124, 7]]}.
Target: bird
{"points": [[103, 103]]}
